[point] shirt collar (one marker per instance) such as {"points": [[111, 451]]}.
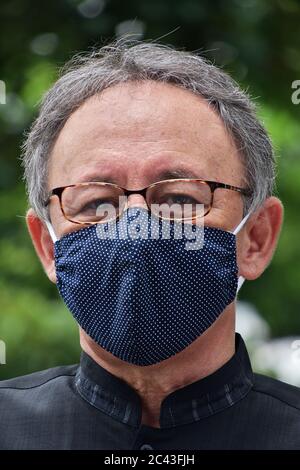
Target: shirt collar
{"points": [[196, 401]]}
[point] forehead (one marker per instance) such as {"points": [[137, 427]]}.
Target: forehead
{"points": [[138, 128]]}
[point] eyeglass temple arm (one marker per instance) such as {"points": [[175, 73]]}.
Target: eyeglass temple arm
{"points": [[214, 185], [54, 192]]}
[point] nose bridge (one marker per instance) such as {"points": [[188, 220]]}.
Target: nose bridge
{"points": [[137, 200], [136, 197]]}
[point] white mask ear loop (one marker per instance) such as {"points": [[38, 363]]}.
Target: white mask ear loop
{"points": [[51, 231], [241, 279], [241, 224]]}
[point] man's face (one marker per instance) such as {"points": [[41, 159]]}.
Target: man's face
{"points": [[135, 134]]}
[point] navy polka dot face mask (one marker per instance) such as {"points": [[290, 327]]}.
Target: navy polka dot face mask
{"points": [[141, 295]]}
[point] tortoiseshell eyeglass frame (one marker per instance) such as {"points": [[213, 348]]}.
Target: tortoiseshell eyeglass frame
{"points": [[213, 185]]}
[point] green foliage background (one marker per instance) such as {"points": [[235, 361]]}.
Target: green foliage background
{"points": [[257, 41]]}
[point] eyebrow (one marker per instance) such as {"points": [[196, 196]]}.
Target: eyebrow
{"points": [[164, 175], [174, 174], [101, 179]]}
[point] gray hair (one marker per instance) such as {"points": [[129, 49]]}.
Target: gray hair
{"points": [[124, 61]]}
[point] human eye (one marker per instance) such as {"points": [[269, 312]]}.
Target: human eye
{"points": [[97, 205], [177, 198]]}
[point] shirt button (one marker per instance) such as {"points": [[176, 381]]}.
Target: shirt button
{"points": [[146, 447]]}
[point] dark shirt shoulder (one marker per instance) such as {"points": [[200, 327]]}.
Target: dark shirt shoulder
{"points": [[285, 394], [269, 416], [37, 379], [35, 408]]}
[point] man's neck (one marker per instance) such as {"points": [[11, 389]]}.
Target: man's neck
{"points": [[154, 383]]}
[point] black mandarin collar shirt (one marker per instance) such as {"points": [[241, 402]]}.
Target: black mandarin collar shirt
{"points": [[187, 405], [86, 407]]}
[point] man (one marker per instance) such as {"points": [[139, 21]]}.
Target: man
{"points": [[123, 131]]}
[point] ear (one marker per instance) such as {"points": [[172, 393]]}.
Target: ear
{"points": [[258, 240], [42, 242]]}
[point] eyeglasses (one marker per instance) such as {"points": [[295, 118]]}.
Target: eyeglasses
{"points": [[176, 199]]}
